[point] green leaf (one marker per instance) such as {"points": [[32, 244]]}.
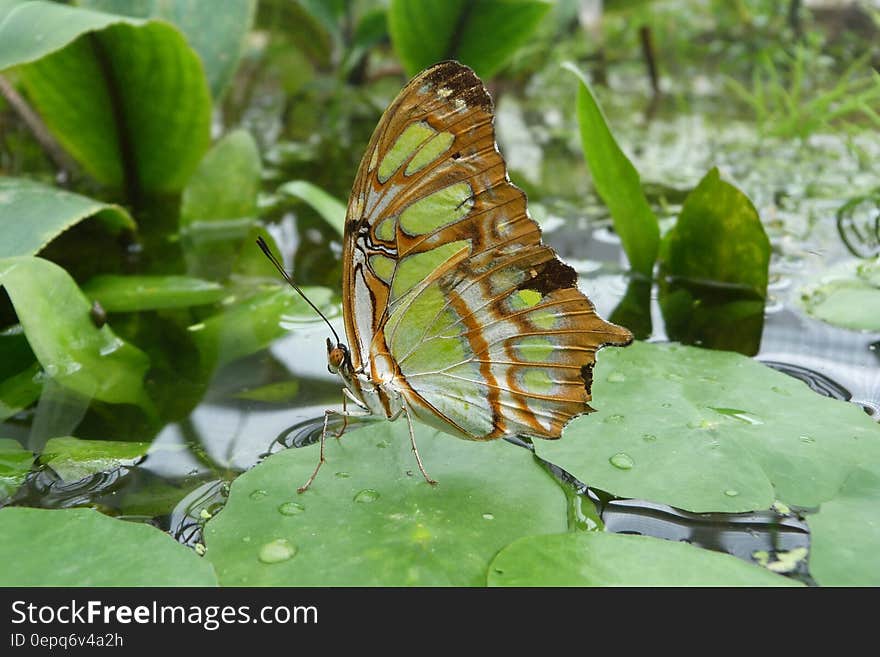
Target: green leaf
{"points": [[711, 431], [604, 559], [330, 209], [219, 205], [217, 36], [72, 350], [845, 534], [370, 519], [718, 237], [33, 214], [617, 183], [482, 35], [255, 322], [127, 99], [15, 463], [846, 295], [81, 547], [20, 390], [73, 459], [124, 294]]}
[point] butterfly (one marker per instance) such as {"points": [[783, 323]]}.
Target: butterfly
{"points": [[456, 313]]}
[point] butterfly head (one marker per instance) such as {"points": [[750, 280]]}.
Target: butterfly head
{"points": [[338, 357]]}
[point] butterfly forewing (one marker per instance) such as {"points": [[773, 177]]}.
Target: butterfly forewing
{"points": [[448, 290]]}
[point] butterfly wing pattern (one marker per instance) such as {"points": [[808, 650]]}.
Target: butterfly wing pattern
{"points": [[453, 306]]}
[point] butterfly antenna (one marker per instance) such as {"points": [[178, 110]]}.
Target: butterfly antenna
{"points": [[265, 249]]}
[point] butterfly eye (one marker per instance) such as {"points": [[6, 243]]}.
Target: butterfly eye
{"points": [[335, 358]]}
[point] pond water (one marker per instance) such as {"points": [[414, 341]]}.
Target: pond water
{"points": [[798, 187]]}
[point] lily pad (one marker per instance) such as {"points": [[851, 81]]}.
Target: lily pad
{"points": [[55, 316], [15, 463], [33, 214], [425, 32], [371, 519], [605, 559], [845, 534], [81, 547], [73, 459], [711, 431], [846, 295], [121, 294]]}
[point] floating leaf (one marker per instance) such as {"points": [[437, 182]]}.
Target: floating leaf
{"points": [[484, 36], [846, 295], [122, 294], [845, 534], [71, 349], [711, 431], [219, 205], [617, 183], [33, 214], [126, 98], [217, 36], [15, 463], [371, 519], [605, 559], [81, 547], [330, 209], [73, 459]]}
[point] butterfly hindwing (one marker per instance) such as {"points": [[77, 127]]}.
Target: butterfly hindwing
{"points": [[449, 290]]}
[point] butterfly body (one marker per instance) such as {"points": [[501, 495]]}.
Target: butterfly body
{"points": [[456, 313]]}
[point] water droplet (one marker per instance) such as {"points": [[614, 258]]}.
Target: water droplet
{"points": [[258, 494], [616, 377], [780, 391], [246, 539], [382, 444], [730, 492], [672, 376], [807, 439], [276, 551], [666, 405], [366, 496], [649, 437], [291, 508], [622, 461], [617, 417], [342, 475], [488, 516]]}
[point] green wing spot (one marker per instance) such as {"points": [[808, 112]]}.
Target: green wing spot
{"points": [[406, 326], [433, 148], [387, 229], [436, 355], [543, 319], [534, 349], [524, 299], [382, 266], [413, 269], [537, 381], [439, 209], [407, 144]]}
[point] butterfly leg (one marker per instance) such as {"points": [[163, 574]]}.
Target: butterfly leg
{"points": [[305, 486], [344, 414], [412, 440]]}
